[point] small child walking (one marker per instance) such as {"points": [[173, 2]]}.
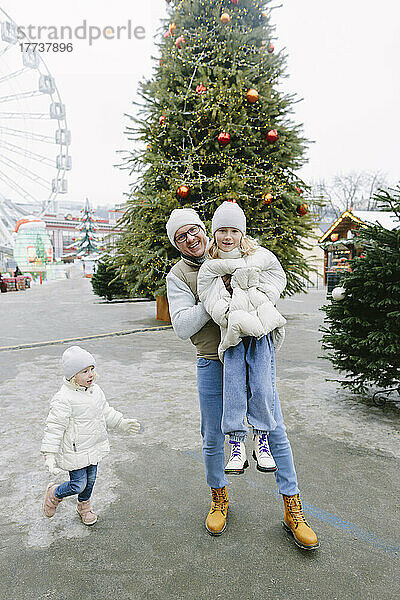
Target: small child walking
{"points": [[239, 286], [75, 437]]}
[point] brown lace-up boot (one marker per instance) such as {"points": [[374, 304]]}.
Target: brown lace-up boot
{"points": [[216, 518], [295, 522]]}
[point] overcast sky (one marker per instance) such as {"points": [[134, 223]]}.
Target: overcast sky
{"points": [[343, 61]]}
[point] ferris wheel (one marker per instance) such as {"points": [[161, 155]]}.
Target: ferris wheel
{"points": [[34, 136]]}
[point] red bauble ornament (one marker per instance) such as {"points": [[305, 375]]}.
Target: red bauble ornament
{"points": [[167, 34], [200, 89], [271, 48], [235, 1], [183, 191], [225, 18], [272, 135], [162, 120], [302, 209], [299, 191], [252, 96], [268, 198], [224, 138], [180, 40]]}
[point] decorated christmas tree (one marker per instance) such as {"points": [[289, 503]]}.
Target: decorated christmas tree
{"points": [[362, 336], [41, 255], [214, 126], [88, 241]]}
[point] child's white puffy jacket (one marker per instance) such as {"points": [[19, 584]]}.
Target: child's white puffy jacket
{"points": [[76, 426], [257, 282]]}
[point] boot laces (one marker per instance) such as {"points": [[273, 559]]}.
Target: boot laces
{"points": [[263, 444], [218, 498], [235, 452], [295, 509]]}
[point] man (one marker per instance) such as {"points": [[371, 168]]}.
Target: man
{"points": [[187, 234]]}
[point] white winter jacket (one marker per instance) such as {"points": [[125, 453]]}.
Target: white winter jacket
{"points": [[76, 426], [257, 282]]}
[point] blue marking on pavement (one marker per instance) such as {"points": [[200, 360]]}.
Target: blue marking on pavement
{"points": [[340, 524], [358, 532]]}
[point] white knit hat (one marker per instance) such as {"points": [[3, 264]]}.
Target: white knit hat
{"points": [[229, 214], [180, 217], [76, 359]]}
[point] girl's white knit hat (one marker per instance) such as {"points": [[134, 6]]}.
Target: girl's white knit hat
{"points": [[76, 359], [229, 214], [180, 217]]}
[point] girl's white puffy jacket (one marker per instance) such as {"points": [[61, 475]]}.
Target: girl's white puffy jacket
{"points": [[257, 283], [76, 426]]}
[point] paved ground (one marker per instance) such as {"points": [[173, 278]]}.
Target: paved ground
{"points": [[150, 542]]}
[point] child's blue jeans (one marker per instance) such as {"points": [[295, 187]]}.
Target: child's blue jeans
{"points": [[209, 382], [81, 482], [249, 387]]}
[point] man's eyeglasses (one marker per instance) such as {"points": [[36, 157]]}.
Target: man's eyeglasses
{"points": [[182, 237]]}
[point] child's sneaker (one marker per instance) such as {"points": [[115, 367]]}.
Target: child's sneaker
{"points": [[50, 502], [86, 513], [262, 454], [237, 462]]}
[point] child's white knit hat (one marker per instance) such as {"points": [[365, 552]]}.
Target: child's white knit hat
{"points": [[76, 359], [180, 217], [229, 214]]}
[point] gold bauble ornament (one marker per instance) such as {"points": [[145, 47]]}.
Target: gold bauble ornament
{"points": [[252, 95]]}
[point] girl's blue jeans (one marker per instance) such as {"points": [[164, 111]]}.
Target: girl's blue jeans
{"points": [[210, 387], [81, 482], [249, 387]]}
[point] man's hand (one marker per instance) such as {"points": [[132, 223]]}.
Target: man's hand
{"points": [[227, 283]]}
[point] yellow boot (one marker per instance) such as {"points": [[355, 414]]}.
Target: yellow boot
{"points": [[216, 518], [294, 521]]}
